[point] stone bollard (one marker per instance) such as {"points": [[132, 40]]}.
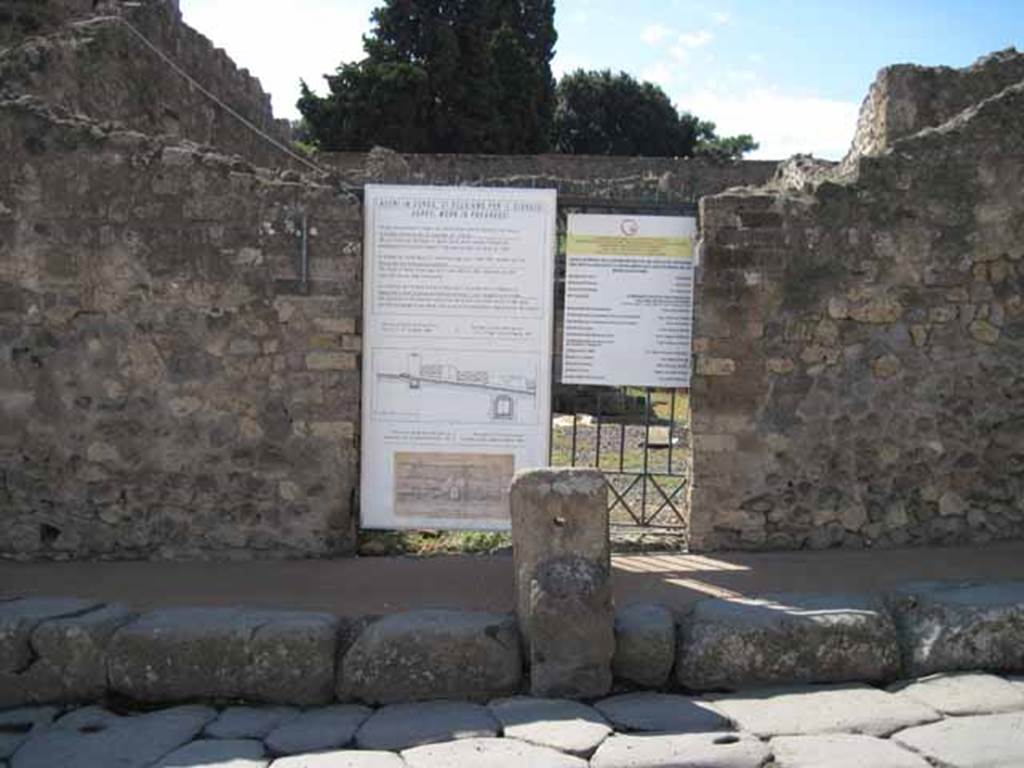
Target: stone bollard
{"points": [[563, 580]]}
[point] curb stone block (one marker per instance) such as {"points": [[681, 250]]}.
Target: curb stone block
{"points": [[948, 627], [786, 639], [433, 654], [292, 659], [178, 654], [19, 619], [70, 663], [645, 645]]}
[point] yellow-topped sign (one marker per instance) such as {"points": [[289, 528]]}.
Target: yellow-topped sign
{"points": [[626, 245]]}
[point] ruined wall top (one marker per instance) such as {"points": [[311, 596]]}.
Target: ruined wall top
{"points": [[907, 98]]}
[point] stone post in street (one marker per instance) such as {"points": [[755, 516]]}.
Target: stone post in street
{"points": [[563, 590]]}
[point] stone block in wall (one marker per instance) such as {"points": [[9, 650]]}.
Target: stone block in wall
{"points": [[432, 654], [555, 513], [571, 628], [66, 649], [178, 654], [786, 638], [949, 627], [645, 645]]}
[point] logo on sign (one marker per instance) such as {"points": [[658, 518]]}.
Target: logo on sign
{"points": [[629, 227]]}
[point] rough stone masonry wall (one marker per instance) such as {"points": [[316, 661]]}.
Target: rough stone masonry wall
{"points": [[166, 388], [860, 349], [94, 65]]}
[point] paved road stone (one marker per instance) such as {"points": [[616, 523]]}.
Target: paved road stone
{"points": [[100, 740], [567, 726], [690, 750], [317, 729], [401, 726], [489, 753], [249, 722], [842, 750], [965, 693], [17, 725], [794, 711], [342, 759], [662, 712], [981, 741], [217, 753]]}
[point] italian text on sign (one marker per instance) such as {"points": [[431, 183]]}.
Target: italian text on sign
{"points": [[628, 300], [457, 317]]}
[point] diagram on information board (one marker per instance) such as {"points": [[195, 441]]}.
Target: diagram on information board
{"points": [[477, 387]]}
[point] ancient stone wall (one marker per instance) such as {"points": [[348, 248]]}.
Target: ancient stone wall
{"points": [[167, 387], [96, 65], [577, 178], [860, 350]]}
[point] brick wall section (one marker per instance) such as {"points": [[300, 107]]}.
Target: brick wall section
{"points": [[165, 389], [859, 355]]}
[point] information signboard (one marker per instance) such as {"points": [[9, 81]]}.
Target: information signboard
{"points": [[457, 313], [628, 300]]}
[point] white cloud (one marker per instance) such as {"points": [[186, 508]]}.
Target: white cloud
{"points": [[784, 124], [656, 34], [721, 18], [281, 46], [696, 39], [659, 74]]}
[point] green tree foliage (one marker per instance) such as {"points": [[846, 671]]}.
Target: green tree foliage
{"points": [[598, 113], [443, 76]]}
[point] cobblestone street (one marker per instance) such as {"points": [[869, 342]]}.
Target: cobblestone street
{"points": [[962, 720]]}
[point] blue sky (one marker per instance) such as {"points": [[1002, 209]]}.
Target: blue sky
{"points": [[791, 72]]}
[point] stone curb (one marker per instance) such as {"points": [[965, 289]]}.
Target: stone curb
{"points": [[71, 651]]}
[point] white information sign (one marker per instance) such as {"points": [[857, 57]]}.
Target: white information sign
{"points": [[628, 300], [457, 315]]}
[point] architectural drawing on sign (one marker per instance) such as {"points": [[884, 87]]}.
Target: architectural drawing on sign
{"points": [[478, 387], [452, 485]]}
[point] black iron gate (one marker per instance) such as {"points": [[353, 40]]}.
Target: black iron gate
{"points": [[639, 437]]}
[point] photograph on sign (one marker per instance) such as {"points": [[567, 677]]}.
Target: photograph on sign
{"points": [[458, 304], [628, 300]]}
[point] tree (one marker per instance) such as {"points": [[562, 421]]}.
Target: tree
{"points": [[599, 113], [443, 76]]}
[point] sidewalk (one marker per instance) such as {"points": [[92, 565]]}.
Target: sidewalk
{"points": [[361, 586]]}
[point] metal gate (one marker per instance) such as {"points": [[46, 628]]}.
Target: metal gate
{"points": [[639, 437]]}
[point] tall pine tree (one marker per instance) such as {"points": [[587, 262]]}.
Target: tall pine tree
{"points": [[443, 76]]}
